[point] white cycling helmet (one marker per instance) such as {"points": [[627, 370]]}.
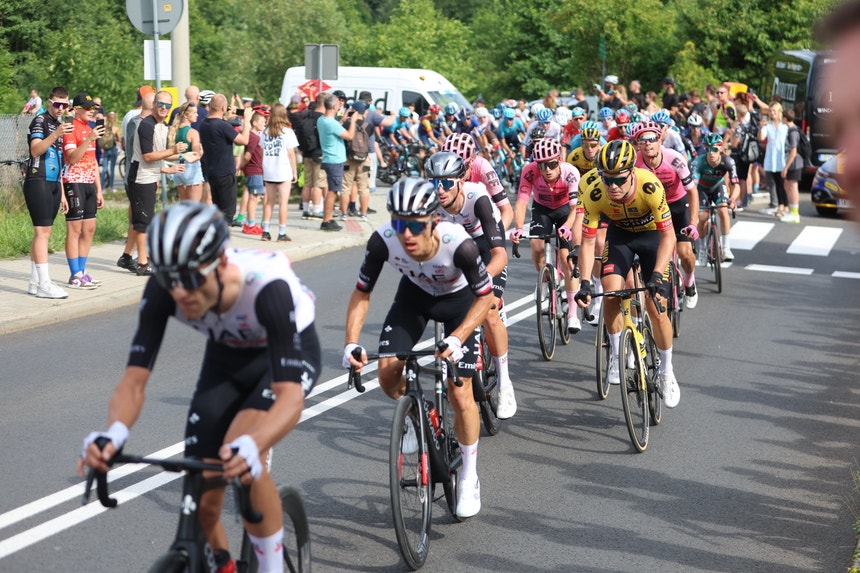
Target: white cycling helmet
{"points": [[611, 79], [536, 108], [563, 115], [482, 112], [206, 96]]}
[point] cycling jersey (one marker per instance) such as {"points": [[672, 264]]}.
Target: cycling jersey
{"points": [[617, 132], [476, 215], [673, 172], [577, 159], [672, 140], [510, 132], [455, 266], [87, 168], [564, 191], [49, 165], [481, 171], [552, 129], [428, 126], [646, 210], [709, 177], [577, 141]]}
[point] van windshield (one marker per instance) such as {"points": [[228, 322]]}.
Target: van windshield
{"points": [[444, 97]]}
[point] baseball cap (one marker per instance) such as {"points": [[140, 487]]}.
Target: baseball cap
{"points": [[83, 100], [365, 96], [339, 94], [143, 90], [669, 80], [359, 106]]}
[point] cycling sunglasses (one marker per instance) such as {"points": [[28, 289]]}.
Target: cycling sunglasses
{"points": [[547, 165], [60, 104], [617, 181], [415, 227], [446, 184], [188, 280], [713, 149], [648, 139]]}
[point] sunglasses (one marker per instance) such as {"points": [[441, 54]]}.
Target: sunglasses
{"points": [[617, 181], [415, 227], [648, 139], [188, 280], [446, 184], [164, 105], [547, 165], [60, 104], [713, 149]]}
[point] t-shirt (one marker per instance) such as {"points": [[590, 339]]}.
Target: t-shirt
{"points": [[86, 170], [49, 165], [151, 136], [333, 148], [255, 163], [276, 157], [216, 137]]}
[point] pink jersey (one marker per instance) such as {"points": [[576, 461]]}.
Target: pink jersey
{"points": [[481, 171], [564, 191], [673, 172]]}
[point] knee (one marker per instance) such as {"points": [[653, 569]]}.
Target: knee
{"points": [[461, 397]]}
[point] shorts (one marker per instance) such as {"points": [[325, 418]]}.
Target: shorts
{"points": [[742, 167], [622, 247], [82, 201], [43, 201], [193, 175], [232, 380], [546, 221], [715, 196], [254, 183], [142, 197], [413, 308], [314, 174], [358, 172], [794, 174], [334, 176], [680, 210]]}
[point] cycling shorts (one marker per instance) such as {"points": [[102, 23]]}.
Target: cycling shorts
{"points": [[43, 201], [82, 201], [546, 221], [623, 246], [680, 218], [716, 196]]}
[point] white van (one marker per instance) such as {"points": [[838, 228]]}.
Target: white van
{"points": [[393, 87]]}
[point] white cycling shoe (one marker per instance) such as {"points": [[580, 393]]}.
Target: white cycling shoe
{"points": [[469, 498]]}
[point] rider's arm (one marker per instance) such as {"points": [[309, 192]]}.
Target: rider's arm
{"points": [[492, 235]]}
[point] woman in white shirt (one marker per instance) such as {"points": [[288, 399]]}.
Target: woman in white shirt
{"points": [[279, 168]]}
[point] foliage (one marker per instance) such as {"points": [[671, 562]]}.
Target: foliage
{"points": [[688, 73]]}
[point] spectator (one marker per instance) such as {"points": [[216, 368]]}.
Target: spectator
{"points": [[83, 189], [202, 112], [607, 94], [670, 98], [696, 103], [135, 116], [43, 190], [332, 135], [636, 95], [218, 138], [793, 169], [109, 144], [723, 113], [377, 120], [189, 184], [579, 100], [651, 106], [746, 129], [252, 168], [33, 105], [192, 95], [356, 174], [279, 169], [775, 133], [305, 126]]}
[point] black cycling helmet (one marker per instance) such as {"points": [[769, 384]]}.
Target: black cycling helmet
{"points": [[538, 133], [412, 197], [186, 237], [444, 165], [616, 157]]}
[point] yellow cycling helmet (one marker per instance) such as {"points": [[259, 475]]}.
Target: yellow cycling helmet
{"points": [[615, 157]]}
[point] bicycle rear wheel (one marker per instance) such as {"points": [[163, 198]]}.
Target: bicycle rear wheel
{"points": [[297, 537], [652, 371], [561, 313], [545, 320], [485, 387], [413, 167], [409, 482], [673, 302], [602, 347], [633, 398], [174, 562], [716, 256]]}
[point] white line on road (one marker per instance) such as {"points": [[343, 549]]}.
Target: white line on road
{"points": [[814, 240], [775, 269], [846, 275], [747, 234]]}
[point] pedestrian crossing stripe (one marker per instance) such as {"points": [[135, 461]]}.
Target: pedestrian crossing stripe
{"points": [[777, 269], [817, 241], [746, 235], [845, 275]]}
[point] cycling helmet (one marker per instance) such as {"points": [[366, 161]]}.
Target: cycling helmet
{"points": [[713, 140], [695, 120], [606, 113], [186, 237], [462, 144], [577, 112], [536, 108], [509, 113], [611, 79], [590, 123], [482, 112], [622, 117], [646, 127], [434, 109], [463, 114], [404, 112], [451, 108], [206, 96], [538, 133], [615, 157], [638, 117], [444, 165], [412, 197], [563, 115], [497, 113], [661, 116], [590, 133], [632, 108], [546, 150], [544, 115]]}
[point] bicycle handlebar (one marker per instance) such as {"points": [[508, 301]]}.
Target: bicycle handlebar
{"points": [[515, 247], [626, 293], [355, 376]]}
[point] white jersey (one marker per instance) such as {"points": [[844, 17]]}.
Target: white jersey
{"points": [[468, 216]]}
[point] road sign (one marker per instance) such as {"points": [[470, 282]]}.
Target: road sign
{"points": [[140, 13], [312, 88], [321, 61]]}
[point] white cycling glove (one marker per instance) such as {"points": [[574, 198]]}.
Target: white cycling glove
{"points": [[456, 348], [347, 353], [117, 433], [247, 448]]}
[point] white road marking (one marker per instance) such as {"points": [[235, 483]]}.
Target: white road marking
{"points": [[817, 241], [747, 234], [845, 275], [775, 269]]}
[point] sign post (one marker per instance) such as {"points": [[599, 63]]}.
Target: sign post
{"points": [[321, 61], [155, 17]]}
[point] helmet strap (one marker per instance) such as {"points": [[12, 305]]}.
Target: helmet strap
{"points": [[220, 291]]}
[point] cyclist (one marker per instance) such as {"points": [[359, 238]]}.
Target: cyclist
{"points": [[695, 134], [577, 139], [538, 134], [543, 121], [511, 133], [607, 120], [641, 224], [430, 128], [573, 127], [469, 204], [672, 170], [622, 123], [554, 185], [450, 119], [261, 360], [399, 132], [712, 170], [443, 279], [481, 171], [671, 137]]}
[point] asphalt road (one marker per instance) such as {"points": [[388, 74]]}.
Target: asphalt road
{"points": [[752, 471]]}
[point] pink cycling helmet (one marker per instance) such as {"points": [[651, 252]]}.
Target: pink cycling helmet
{"points": [[645, 127], [546, 150], [462, 144]]}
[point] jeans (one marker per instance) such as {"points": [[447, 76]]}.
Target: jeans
{"points": [[108, 167]]}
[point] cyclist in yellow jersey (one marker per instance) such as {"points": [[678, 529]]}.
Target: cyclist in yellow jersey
{"points": [[634, 201]]}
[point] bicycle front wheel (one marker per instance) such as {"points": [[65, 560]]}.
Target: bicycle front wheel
{"points": [[633, 398], [716, 254], [297, 537], [545, 319], [652, 372], [602, 357], [174, 562], [409, 481], [561, 313], [673, 303], [485, 387]]}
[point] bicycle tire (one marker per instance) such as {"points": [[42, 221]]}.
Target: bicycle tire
{"points": [[633, 399], [297, 558], [602, 347], [451, 486], [561, 313], [173, 562], [409, 484], [485, 387], [717, 257], [673, 303], [413, 167], [652, 373], [121, 168], [545, 321]]}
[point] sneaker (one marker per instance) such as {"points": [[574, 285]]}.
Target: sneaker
{"points": [[32, 287], [50, 290], [283, 238], [238, 221], [507, 403], [74, 282], [330, 226], [363, 218], [768, 211], [409, 445], [316, 215], [306, 215], [739, 209], [728, 256], [469, 498], [612, 373], [88, 280], [790, 218], [371, 211], [670, 389], [344, 217], [354, 213], [126, 262], [252, 229], [265, 236], [691, 296], [574, 325], [594, 310], [143, 270]]}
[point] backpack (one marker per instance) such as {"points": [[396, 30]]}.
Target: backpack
{"points": [[804, 148], [307, 135], [749, 148], [358, 148]]}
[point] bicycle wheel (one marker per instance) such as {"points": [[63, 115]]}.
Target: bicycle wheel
{"points": [[174, 562], [409, 481], [716, 256], [413, 168], [602, 347], [633, 398], [120, 163], [545, 319], [485, 387], [673, 302], [452, 454], [652, 372], [561, 314], [297, 537]]}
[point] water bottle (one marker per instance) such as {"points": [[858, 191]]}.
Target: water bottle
{"points": [[434, 420]]}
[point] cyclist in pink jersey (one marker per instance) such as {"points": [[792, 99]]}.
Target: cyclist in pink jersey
{"points": [[555, 187], [673, 171]]}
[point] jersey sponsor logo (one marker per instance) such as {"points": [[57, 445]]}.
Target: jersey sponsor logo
{"points": [[649, 188], [388, 233], [447, 238], [635, 223], [471, 195], [596, 194], [608, 269]]}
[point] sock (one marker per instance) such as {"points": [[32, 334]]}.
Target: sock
{"points": [[724, 240], [614, 341], [42, 273], [469, 470], [794, 209], [352, 205], [502, 371], [269, 551], [34, 275], [665, 360], [282, 229], [251, 222], [82, 264], [571, 304], [755, 188], [690, 279], [73, 266], [265, 226], [304, 206]]}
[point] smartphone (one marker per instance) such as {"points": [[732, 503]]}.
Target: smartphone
{"points": [[100, 123], [68, 118]]}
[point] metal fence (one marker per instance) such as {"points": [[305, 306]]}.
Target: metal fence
{"points": [[13, 147]]}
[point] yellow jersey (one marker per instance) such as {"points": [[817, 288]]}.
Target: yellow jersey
{"points": [[646, 210], [578, 160]]}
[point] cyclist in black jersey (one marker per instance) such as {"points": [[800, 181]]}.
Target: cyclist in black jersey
{"points": [[444, 279], [262, 358]]}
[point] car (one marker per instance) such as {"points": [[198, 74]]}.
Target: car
{"points": [[828, 197]]}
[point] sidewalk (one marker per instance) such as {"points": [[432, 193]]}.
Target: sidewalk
{"points": [[20, 311]]}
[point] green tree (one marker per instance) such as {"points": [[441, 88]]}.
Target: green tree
{"points": [[688, 73]]}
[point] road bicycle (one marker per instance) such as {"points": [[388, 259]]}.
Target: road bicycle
{"points": [[401, 160], [190, 552], [415, 470], [676, 295], [550, 296], [713, 243]]}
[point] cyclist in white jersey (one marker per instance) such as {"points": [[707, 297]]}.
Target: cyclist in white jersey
{"points": [[444, 279]]}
